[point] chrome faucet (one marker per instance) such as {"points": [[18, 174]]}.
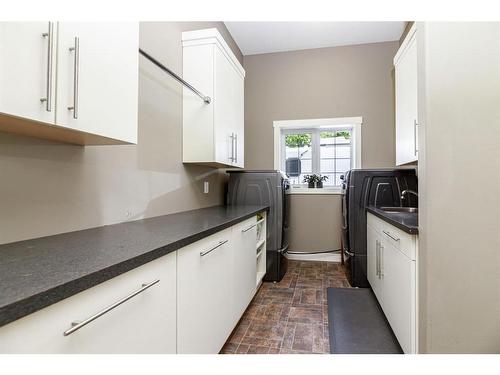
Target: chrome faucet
{"points": [[408, 191]]}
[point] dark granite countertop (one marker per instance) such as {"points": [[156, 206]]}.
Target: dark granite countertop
{"points": [[39, 272], [405, 221]]}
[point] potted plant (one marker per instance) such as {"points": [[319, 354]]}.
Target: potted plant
{"points": [[311, 180], [315, 180], [319, 180]]}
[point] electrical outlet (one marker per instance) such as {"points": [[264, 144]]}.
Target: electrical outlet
{"points": [[206, 187]]}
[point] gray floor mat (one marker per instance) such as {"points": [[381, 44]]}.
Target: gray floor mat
{"points": [[357, 324]]}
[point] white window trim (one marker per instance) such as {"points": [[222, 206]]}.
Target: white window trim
{"points": [[337, 122]]}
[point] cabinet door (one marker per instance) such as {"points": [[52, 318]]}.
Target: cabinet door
{"points": [[406, 105], [204, 296], [143, 324], [397, 276], [27, 70], [244, 265], [197, 116], [239, 120], [98, 78], [224, 110], [372, 250]]}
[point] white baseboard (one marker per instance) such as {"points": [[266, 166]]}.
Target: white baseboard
{"points": [[326, 257]]}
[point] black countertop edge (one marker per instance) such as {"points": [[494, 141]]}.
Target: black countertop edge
{"points": [[20, 308], [407, 222]]}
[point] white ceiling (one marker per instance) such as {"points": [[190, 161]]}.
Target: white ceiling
{"points": [[265, 37]]}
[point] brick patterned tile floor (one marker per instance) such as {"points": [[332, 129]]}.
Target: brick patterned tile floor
{"points": [[289, 316]]}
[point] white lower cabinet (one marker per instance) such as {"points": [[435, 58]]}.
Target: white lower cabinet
{"points": [[204, 309], [372, 249], [244, 265], [202, 292], [392, 275], [215, 284], [145, 323], [398, 281]]}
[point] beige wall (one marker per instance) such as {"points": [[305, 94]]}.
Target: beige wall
{"points": [[459, 186], [320, 83], [315, 221], [49, 188]]}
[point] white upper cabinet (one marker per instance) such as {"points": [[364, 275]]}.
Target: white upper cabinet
{"points": [[97, 81], [213, 133], [27, 70], [71, 82], [405, 63]]}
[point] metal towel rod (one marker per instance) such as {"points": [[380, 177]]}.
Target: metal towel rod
{"points": [[206, 99]]}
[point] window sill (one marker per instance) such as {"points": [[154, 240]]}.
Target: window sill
{"points": [[323, 191]]}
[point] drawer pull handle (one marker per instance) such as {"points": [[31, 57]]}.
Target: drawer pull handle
{"points": [[253, 225], [75, 326], [250, 227], [203, 253], [381, 261], [389, 235], [377, 258]]}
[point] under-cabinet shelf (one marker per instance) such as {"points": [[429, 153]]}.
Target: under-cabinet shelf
{"points": [[260, 243], [259, 253]]}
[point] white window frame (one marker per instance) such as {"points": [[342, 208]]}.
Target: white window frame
{"points": [[339, 123]]}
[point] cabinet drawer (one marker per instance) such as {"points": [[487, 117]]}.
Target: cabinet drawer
{"points": [[143, 324], [401, 240], [204, 294]]}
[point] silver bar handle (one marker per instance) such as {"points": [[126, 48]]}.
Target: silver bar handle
{"points": [[253, 225], [76, 76], [203, 253], [391, 236], [232, 147], [75, 326], [236, 147], [250, 227], [381, 259], [377, 248], [50, 56], [415, 124]]}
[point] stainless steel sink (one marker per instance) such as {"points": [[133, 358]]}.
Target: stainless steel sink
{"points": [[400, 209]]}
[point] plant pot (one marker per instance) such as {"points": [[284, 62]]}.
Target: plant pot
{"points": [[310, 185], [319, 184]]}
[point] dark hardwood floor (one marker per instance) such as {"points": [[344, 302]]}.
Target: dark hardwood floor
{"points": [[289, 316]]}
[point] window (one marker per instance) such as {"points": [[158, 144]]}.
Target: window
{"points": [[329, 147]]}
